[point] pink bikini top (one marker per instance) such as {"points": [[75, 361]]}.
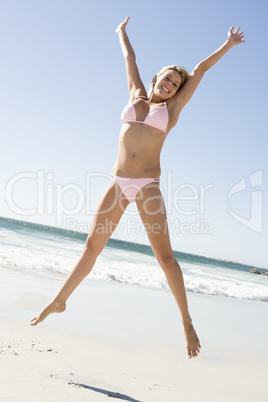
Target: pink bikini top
{"points": [[157, 117]]}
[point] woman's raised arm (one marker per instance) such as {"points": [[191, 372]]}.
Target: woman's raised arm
{"points": [[184, 95], [135, 83]]}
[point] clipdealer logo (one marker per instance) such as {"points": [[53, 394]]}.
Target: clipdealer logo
{"points": [[255, 201], [41, 195], [50, 198]]}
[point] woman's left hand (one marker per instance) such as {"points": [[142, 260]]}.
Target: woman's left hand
{"points": [[235, 38]]}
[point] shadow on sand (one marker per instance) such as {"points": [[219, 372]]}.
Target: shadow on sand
{"points": [[105, 392]]}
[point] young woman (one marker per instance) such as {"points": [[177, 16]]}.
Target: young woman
{"points": [[146, 121]]}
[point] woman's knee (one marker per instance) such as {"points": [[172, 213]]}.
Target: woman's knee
{"points": [[167, 260], [92, 248]]}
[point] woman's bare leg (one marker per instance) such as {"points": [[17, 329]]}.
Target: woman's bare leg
{"points": [[107, 216], [151, 208]]}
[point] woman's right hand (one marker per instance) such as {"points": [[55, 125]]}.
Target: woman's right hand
{"points": [[122, 27]]}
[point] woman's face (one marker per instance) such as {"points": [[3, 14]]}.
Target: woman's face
{"points": [[167, 84]]}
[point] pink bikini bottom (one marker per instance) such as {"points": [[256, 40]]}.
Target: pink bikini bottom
{"points": [[131, 186]]}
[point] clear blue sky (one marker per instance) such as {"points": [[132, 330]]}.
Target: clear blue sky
{"points": [[63, 87]]}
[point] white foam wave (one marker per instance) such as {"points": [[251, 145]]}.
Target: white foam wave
{"points": [[47, 255]]}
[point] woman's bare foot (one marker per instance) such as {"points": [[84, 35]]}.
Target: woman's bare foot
{"points": [[193, 344], [53, 307]]}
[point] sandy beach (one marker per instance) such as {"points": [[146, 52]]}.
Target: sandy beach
{"points": [[126, 342]]}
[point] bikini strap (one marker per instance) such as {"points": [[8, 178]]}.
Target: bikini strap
{"points": [[140, 96]]}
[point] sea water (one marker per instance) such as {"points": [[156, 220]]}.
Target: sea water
{"points": [[33, 249]]}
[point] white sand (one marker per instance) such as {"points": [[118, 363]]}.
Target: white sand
{"points": [[126, 342]]}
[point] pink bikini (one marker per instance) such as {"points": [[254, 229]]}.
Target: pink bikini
{"points": [[131, 186], [157, 118]]}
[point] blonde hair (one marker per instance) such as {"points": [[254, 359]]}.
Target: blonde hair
{"points": [[181, 70]]}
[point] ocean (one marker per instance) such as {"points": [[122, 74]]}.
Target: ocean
{"points": [[38, 250]]}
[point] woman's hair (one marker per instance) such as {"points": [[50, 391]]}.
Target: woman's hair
{"points": [[183, 73]]}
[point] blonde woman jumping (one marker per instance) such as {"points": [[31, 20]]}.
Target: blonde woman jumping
{"points": [[146, 121]]}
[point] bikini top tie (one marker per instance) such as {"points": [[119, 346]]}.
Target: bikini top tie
{"points": [[157, 117]]}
